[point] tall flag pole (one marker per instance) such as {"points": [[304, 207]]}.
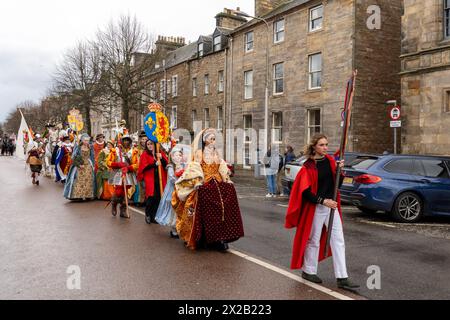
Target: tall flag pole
{"points": [[350, 93]]}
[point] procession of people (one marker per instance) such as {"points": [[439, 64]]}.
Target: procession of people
{"points": [[188, 189]]}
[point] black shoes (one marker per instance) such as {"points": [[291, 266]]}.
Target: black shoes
{"points": [[174, 235], [222, 246], [346, 284], [311, 277]]}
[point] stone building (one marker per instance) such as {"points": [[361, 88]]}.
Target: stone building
{"points": [[190, 82], [313, 46], [425, 77]]}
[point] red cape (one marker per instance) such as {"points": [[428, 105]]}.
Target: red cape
{"points": [[300, 214], [148, 175]]}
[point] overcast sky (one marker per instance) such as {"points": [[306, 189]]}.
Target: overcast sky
{"points": [[35, 33]]}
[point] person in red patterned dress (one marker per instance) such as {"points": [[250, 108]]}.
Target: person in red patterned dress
{"points": [[205, 199]]}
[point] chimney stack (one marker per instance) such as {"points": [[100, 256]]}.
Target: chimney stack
{"points": [[263, 7], [229, 19]]}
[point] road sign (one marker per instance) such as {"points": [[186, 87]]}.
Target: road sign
{"points": [[395, 113], [396, 124]]}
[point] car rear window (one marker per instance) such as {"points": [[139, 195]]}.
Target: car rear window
{"points": [[363, 163], [404, 166], [434, 168]]}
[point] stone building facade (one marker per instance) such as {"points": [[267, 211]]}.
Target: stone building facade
{"points": [[313, 48], [425, 77]]}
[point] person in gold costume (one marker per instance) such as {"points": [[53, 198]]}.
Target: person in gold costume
{"points": [[205, 199]]}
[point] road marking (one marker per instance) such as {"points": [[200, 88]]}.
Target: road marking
{"points": [[136, 210], [283, 205], [377, 223], [292, 276], [278, 270]]}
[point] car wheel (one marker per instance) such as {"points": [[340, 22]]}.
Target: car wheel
{"points": [[408, 208], [367, 210]]}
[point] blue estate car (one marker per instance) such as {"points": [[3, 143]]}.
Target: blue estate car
{"points": [[407, 186]]}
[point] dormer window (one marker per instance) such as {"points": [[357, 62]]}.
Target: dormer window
{"points": [[217, 43], [200, 49]]}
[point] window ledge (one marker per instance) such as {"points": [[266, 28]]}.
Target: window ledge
{"points": [[278, 95], [315, 31], [315, 89]]}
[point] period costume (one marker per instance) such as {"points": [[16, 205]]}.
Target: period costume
{"points": [[124, 163], [35, 153], [165, 214], [80, 183], [105, 191], [205, 199], [63, 160], [98, 147], [306, 212], [148, 173], [139, 194]]}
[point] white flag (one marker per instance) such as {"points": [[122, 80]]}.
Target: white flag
{"points": [[20, 151]]}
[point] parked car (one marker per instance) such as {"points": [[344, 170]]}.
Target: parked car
{"points": [[291, 169], [407, 186]]}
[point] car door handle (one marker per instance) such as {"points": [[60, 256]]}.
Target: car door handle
{"points": [[425, 181]]}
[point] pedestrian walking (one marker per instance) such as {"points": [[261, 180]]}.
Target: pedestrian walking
{"points": [[80, 183], [148, 173], [205, 200], [124, 163], [165, 214], [309, 211], [35, 153]]}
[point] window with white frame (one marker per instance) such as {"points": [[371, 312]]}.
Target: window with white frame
{"points": [[194, 87], [152, 91], [277, 127], [278, 31], [162, 89], [173, 118], [219, 119], [193, 118], [221, 81], [447, 19], [174, 86], [200, 49], [217, 43], [248, 84], [314, 123], [207, 84], [206, 117], [278, 78], [248, 39], [316, 18], [248, 124], [169, 87], [315, 71]]}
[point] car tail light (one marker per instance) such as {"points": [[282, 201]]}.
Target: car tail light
{"points": [[367, 179]]}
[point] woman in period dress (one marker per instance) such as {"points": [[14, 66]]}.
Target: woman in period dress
{"points": [[205, 199], [80, 184], [105, 191], [149, 164], [165, 215]]}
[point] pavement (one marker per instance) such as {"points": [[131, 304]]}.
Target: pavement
{"points": [[47, 241]]}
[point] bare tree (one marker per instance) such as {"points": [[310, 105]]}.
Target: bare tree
{"points": [[127, 60], [78, 77]]}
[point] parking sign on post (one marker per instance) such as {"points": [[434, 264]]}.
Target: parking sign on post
{"points": [[395, 115]]}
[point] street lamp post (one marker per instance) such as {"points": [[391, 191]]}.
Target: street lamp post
{"points": [[266, 97]]}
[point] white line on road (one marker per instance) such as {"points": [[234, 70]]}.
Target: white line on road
{"points": [[278, 270]]}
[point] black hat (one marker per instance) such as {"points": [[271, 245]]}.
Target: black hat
{"points": [[142, 134], [100, 135]]}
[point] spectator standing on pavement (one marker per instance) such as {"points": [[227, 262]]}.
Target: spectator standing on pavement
{"points": [[289, 156], [271, 162], [309, 211]]}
